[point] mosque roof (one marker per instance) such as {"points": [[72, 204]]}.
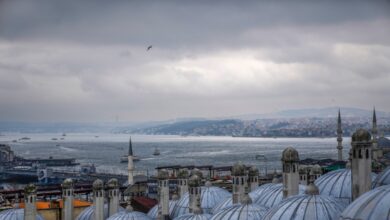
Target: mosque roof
{"points": [[337, 184], [210, 197], [129, 215], [243, 211], [89, 213], [15, 214], [382, 179], [306, 207], [271, 194], [372, 205]]}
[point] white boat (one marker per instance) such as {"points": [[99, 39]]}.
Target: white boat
{"points": [[156, 152]]}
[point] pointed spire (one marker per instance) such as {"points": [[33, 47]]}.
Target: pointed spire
{"points": [[374, 116], [339, 138], [339, 118], [130, 148]]}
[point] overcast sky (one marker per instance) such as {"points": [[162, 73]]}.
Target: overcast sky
{"points": [[87, 60]]}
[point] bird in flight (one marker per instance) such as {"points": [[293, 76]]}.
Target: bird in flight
{"points": [[150, 47]]}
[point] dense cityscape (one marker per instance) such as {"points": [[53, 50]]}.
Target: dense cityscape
{"points": [[194, 110]]}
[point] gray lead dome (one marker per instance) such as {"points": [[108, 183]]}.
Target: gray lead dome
{"points": [[133, 215], [382, 179], [290, 155], [210, 197], [89, 213], [15, 214], [372, 205], [241, 211], [361, 135], [306, 207], [337, 184], [271, 194]]}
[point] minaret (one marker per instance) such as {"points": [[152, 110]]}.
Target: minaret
{"points": [[67, 199], [163, 192], [182, 181], [290, 160], [253, 178], [195, 191], [361, 162], [98, 199], [374, 133], [239, 182], [113, 196], [30, 197], [130, 164], [339, 139]]}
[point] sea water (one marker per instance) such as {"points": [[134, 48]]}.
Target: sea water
{"points": [[105, 150]]}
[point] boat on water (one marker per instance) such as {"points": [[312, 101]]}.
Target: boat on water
{"points": [[64, 134], [24, 139], [54, 139], [156, 152]]}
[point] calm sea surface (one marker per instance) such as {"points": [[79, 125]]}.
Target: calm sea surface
{"points": [[105, 150]]}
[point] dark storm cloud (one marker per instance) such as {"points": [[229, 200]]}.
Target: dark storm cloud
{"points": [[86, 60]]}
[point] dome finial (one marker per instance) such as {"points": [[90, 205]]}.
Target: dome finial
{"points": [[312, 189], [246, 199], [275, 177], [197, 210]]}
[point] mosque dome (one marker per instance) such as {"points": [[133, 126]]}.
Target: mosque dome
{"points": [[153, 212], [197, 215], [372, 205], [15, 214], [361, 135], [253, 171], [306, 207], [67, 184], [382, 179], [183, 174], [238, 169], [113, 184], [383, 142], [290, 155], [194, 217], [98, 184], [271, 194], [30, 188], [129, 215], [244, 211], [337, 184], [210, 197], [197, 172], [194, 181], [89, 213], [162, 174]]}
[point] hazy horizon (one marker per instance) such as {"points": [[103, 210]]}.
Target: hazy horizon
{"points": [[87, 61]]}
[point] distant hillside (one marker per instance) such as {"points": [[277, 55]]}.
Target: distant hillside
{"points": [[329, 112], [290, 123]]}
